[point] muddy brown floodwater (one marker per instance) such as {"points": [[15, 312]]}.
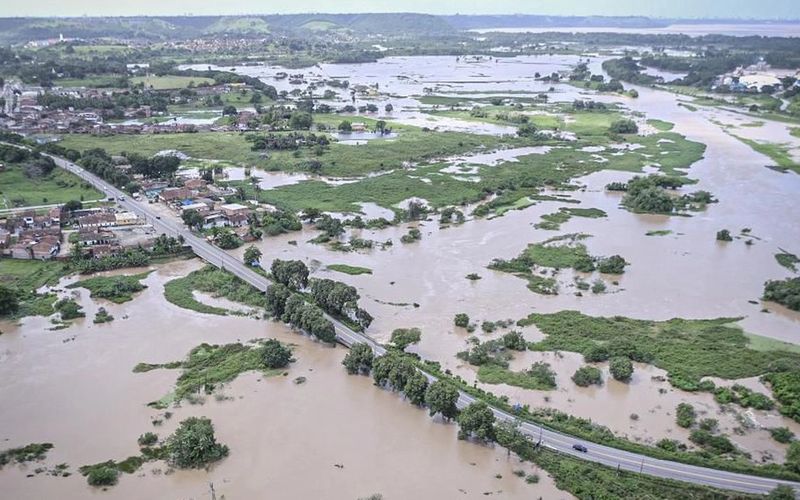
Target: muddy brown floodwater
{"points": [[75, 389], [686, 274]]}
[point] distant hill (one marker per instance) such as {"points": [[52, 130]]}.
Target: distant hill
{"points": [[20, 30], [461, 22], [238, 26]]}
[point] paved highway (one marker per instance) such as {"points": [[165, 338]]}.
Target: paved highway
{"points": [[557, 441]]}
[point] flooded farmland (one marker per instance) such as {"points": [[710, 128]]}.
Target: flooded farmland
{"points": [[339, 436]]}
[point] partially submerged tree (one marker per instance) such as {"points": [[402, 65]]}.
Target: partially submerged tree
{"points": [[194, 445]]}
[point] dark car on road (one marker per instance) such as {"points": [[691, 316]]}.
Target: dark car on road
{"points": [[581, 448]]}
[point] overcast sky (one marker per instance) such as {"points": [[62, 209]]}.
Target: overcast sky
{"points": [[760, 9]]}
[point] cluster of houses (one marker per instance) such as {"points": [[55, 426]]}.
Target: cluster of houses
{"points": [[23, 114], [26, 235], [756, 78], [208, 200], [96, 231]]}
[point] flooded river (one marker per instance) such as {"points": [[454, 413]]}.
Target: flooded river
{"points": [[75, 388]]}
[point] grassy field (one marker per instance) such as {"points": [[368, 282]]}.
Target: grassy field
{"points": [[214, 281], [208, 366], [423, 149], [169, 82], [661, 125], [779, 153], [60, 186], [117, 289], [352, 270], [26, 276], [493, 374], [95, 81], [687, 349], [411, 145], [30, 274]]}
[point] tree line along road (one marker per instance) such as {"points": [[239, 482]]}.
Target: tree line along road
{"points": [[553, 440]]}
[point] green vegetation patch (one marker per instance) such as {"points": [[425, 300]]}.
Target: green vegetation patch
{"points": [[779, 153], [347, 269], [169, 82], [59, 186], [785, 292], [208, 366], [23, 454], [589, 480], [215, 281], [553, 221], [117, 289], [787, 260], [540, 377], [687, 349], [661, 125]]}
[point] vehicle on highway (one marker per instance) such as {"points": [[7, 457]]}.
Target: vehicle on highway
{"points": [[581, 448], [121, 198], [158, 217]]}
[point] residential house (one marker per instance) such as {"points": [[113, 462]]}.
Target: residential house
{"points": [[195, 184], [91, 238], [234, 209], [171, 195], [126, 218], [103, 219], [55, 215]]}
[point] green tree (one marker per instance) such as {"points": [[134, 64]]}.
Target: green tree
{"points": [[685, 415], [300, 121], [596, 354], [724, 235], [392, 369], [612, 265], [441, 397], [193, 445], [782, 492], [276, 355], [514, 341], [252, 255], [148, 439], [623, 126], [292, 273], [276, 297], [461, 320], [102, 476], [415, 388], [792, 461], [229, 111], [345, 126], [72, 205], [359, 359], [476, 420], [782, 434], [587, 375], [404, 337], [621, 369], [9, 302]]}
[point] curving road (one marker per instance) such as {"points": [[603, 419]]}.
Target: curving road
{"points": [[556, 441]]}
